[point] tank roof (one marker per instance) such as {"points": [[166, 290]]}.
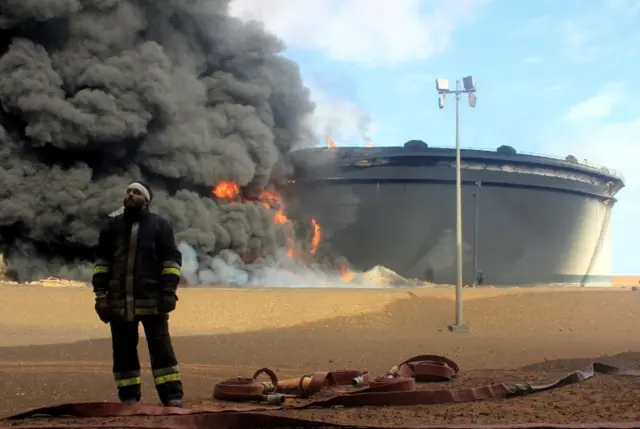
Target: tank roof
{"points": [[416, 149]]}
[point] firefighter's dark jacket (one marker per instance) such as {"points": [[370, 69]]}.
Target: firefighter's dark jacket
{"points": [[137, 262]]}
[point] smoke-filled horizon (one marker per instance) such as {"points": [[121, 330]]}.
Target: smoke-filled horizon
{"points": [[97, 93]]}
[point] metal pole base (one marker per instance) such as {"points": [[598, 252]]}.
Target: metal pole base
{"points": [[458, 328]]}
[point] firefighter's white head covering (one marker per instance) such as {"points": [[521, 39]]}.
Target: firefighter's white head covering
{"points": [[143, 188]]}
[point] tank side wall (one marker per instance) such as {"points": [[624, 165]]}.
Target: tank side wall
{"points": [[525, 236], [543, 237]]}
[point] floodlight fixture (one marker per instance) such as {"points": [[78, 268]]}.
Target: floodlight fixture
{"points": [[473, 98], [442, 85], [469, 83]]}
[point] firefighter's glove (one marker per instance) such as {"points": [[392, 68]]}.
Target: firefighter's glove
{"points": [[168, 302], [102, 308]]}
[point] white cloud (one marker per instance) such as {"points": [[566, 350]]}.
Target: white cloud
{"points": [[532, 60], [362, 31], [340, 119], [597, 107]]}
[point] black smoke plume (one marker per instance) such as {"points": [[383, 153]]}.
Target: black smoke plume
{"points": [[96, 93]]}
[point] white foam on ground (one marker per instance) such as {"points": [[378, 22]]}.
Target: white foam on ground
{"points": [[280, 270]]}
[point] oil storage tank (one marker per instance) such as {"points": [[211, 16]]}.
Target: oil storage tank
{"points": [[527, 219]]}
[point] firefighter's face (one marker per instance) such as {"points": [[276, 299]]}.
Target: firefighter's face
{"points": [[134, 198]]}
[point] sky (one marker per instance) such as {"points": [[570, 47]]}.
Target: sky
{"points": [[554, 77]]}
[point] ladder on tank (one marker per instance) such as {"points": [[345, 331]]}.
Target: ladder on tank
{"points": [[603, 233]]}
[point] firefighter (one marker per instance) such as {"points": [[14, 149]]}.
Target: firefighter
{"points": [[135, 277]]}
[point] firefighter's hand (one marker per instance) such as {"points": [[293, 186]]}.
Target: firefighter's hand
{"points": [[102, 309], [168, 302]]}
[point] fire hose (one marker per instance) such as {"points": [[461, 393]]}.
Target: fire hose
{"points": [[349, 388], [249, 389], [400, 378]]}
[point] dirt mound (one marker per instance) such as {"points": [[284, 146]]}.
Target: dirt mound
{"points": [[383, 276]]}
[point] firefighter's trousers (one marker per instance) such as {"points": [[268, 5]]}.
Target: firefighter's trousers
{"points": [[126, 365]]}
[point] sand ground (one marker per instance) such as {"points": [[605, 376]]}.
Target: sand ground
{"points": [[53, 349], [626, 281]]}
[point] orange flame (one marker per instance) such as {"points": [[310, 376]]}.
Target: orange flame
{"points": [[332, 144], [226, 190], [346, 274], [269, 200], [280, 218], [272, 201], [369, 143], [315, 240]]}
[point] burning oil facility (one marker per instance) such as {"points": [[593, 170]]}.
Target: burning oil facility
{"points": [[206, 109], [526, 219], [179, 94]]}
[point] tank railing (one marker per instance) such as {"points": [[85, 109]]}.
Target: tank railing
{"points": [[594, 166]]}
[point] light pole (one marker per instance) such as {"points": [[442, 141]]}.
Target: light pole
{"points": [[468, 87]]}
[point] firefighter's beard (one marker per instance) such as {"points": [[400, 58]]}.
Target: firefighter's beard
{"points": [[133, 207]]}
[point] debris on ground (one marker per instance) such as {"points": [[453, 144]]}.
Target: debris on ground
{"points": [[46, 282]]}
